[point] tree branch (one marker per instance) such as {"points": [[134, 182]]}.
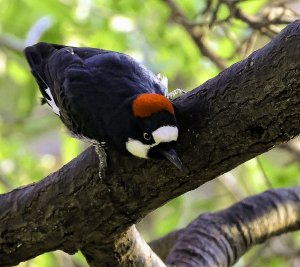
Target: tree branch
{"points": [[244, 111], [294, 151], [163, 245], [129, 249], [11, 42], [221, 238], [229, 233]]}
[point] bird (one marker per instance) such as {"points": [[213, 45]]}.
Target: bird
{"points": [[108, 99]]}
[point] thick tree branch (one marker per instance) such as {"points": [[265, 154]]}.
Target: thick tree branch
{"points": [[246, 110], [229, 233], [221, 238]]}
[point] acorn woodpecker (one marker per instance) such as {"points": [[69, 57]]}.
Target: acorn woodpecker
{"points": [[108, 98]]}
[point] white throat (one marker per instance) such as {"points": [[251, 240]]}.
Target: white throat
{"points": [[163, 134]]}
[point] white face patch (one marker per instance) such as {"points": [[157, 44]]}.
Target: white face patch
{"points": [[163, 134], [137, 148], [51, 102]]}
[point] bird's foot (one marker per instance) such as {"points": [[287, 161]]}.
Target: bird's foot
{"points": [[175, 93], [164, 82], [100, 150]]}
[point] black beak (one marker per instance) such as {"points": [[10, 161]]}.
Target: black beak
{"points": [[172, 156]]}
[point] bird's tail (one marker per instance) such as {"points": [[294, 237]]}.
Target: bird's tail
{"points": [[37, 57], [38, 54]]}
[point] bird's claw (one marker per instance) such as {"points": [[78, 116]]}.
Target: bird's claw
{"points": [[175, 93], [100, 150]]}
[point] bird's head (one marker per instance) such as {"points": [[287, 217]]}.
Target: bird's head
{"points": [[156, 129]]}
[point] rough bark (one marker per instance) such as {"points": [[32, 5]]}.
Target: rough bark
{"points": [[129, 249], [244, 111], [163, 245]]}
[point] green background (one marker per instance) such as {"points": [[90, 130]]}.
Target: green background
{"points": [[33, 142]]}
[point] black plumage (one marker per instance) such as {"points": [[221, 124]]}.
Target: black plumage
{"points": [[89, 85], [92, 90]]}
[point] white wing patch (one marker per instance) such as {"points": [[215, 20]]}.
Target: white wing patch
{"points": [[51, 102]]}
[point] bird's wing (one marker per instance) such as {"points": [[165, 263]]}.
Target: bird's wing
{"points": [[82, 84], [37, 57], [48, 63]]}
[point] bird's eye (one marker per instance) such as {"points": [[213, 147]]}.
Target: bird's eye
{"points": [[147, 136]]}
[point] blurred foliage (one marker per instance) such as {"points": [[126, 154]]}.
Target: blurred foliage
{"points": [[33, 143]]}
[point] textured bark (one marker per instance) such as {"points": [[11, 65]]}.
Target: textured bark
{"points": [[51, 214], [244, 111], [128, 249], [221, 238]]}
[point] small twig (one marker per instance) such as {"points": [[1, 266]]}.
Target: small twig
{"points": [[265, 176], [249, 45], [263, 22], [207, 7], [5, 183], [11, 42], [197, 34], [229, 182], [215, 14], [37, 30], [291, 149], [34, 34]]}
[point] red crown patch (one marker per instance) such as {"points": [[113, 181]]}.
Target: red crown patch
{"points": [[146, 105]]}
